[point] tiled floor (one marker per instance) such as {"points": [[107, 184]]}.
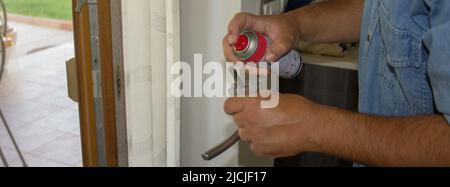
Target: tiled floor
{"points": [[33, 97]]}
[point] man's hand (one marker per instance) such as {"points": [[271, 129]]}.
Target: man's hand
{"points": [[326, 22], [281, 29], [283, 131]]}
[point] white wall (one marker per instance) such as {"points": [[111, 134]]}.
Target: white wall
{"points": [[204, 124]]}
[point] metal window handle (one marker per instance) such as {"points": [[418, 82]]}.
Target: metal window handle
{"points": [[224, 146], [81, 3], [227, 144]]}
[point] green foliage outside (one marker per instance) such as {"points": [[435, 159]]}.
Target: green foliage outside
{"points": [[54, 9]]}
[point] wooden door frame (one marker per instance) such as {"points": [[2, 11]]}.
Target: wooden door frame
{"points": [[111, 90]]}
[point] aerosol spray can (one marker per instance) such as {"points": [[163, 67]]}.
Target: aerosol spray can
{"points": [[252, 46]]}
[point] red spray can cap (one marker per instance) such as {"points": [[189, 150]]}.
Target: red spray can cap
{"points": [[251, 46]]}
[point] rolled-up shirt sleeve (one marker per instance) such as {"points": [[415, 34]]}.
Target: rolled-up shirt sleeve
{"points": [[437, 41]]}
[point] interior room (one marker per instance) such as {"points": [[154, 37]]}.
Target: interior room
{"points": [[148, 83]]}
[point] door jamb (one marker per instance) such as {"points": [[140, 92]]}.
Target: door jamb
{"points": [[107, 82]]}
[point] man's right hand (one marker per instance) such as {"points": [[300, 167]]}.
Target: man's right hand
{"points": [[282, 30]]}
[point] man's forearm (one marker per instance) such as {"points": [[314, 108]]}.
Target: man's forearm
{"points": [[379, 141], [330, 21]]}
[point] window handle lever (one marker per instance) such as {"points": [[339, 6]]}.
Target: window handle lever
{"points": [[221, 148]]}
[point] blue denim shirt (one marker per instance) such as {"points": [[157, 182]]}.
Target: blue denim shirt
{"points": [[404, 67]]}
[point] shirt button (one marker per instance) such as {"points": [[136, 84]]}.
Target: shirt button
{"points": [[368, 37]]}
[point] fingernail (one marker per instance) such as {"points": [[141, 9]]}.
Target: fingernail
{"points": [[270, 57]]}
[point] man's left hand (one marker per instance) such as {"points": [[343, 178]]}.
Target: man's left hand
{"points": [[286, 130]]}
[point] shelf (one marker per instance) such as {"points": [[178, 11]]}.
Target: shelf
{"points": [[349, 62]]}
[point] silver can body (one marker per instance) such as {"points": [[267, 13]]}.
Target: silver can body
{"points": [[290, 65]]}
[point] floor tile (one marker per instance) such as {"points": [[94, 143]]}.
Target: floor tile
{"points": [[36, 161], [32, 37], [65, 149], [10, 155], [78, 165], [66, 120], [76, 132], [23, 114], [31, 137], [33, 97], [58, 98], [24, 92]]}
